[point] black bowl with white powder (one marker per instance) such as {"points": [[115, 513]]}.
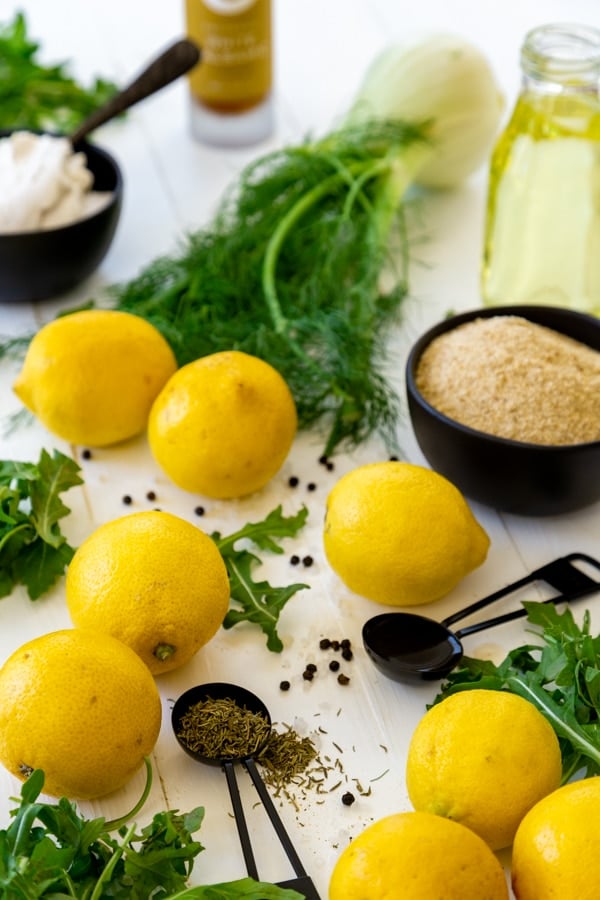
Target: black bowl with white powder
{"points": [[46, 262], [505, 403]]}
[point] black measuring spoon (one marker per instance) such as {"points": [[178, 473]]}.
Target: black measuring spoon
{"points": [[245, 700], [409, 647]]}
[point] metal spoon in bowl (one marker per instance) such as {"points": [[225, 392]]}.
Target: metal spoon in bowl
{"points": [[176, 60], [245, 700], [409, 647]]}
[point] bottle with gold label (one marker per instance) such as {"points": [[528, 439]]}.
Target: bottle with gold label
{"points": [[542, 237], [231, 88]]}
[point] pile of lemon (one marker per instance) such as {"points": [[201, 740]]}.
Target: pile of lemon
{"points": [[221, 426]]}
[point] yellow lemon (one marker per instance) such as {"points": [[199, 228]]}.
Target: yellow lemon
{"points": [[91, 377], [81, 706], [483, 758], [417, 856], [400, 534], [556, 852], [152, 580], [223, 425]]}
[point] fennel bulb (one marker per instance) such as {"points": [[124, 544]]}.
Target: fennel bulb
{"points": [[445, 83]]}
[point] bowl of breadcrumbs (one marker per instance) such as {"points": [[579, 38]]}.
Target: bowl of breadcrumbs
{"points": [[505, 403]]}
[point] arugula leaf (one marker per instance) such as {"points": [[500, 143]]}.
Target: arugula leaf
{"points": [[50, 851], [33, 551], [560, 676], [36, 96], [260, 602]]}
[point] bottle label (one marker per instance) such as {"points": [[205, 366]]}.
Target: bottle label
{"points": [[234, 36]]}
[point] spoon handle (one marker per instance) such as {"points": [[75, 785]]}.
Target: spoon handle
{"points": [[240, 820], [176, 60]]}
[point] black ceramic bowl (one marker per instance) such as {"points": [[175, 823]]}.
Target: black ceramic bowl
{"points": [[38, 265], [521, 478]]}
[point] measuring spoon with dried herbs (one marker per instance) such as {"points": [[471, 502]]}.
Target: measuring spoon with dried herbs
{"points": [[224, 724]]}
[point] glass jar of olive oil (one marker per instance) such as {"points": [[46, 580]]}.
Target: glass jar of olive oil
{"points": [[542, 236]]}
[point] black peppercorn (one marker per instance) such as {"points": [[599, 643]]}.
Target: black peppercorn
{"points": [[86, 454], [284, 685], [294, 560], [346, 643], [348, 798], [347, 653], [127, 500], [335, 645], [311, 486], [308, 675], [323, 460], [307, 561], [199, 510], [324, 643], [310, 667], [150, 495], [293, 481], [329, 466], [343, 679], [334, 665]]}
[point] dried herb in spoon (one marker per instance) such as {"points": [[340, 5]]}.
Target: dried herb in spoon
{"points": [[222, 729]]}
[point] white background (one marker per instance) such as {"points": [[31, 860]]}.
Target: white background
{"points": [[322, 49]]}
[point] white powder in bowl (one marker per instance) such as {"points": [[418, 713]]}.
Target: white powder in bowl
{"points": [[44, 183]]}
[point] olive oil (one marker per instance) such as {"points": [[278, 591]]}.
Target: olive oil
{"points": [[542, 239]]}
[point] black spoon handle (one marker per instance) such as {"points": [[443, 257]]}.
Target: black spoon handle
{"points": [[274, 817], [240, 820], [177, 59], [560, 574]]}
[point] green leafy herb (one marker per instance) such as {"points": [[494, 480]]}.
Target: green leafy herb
{"points": [[33, 551], [260, 602], [37, 96], [561, 676], [290, 270], [50, 851]]}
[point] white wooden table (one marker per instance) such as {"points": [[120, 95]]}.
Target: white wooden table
{"points": [[172, 184]]}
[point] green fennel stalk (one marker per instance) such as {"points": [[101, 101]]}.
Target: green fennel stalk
{"points": [[290, 270]]}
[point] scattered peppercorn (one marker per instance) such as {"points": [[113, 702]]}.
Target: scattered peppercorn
{"points": [[293, 481], [284, 685], [311, 486], [199, 510], [329, 466], [348, 798], [294, 560], [335, 645], [151, 495], [346, 643], [347, 653], [323, 460], [127, 500], [307, 561], [343, 679], [393, 459], [310, 667], [334, 665], [308, 675], [324, 643], [86, 454]]}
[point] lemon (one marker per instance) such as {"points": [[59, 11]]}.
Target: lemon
{"points": [[223, 425], [417, 856], [556, 852], [483, 758], [400, 534], [91, 377], [152, 580], [81, 706]]}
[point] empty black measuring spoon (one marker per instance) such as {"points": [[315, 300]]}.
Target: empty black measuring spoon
{"points": [[198, 701], [406, 646]]}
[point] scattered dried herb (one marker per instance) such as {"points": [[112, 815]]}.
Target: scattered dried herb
{"points": [[285, 756]]}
